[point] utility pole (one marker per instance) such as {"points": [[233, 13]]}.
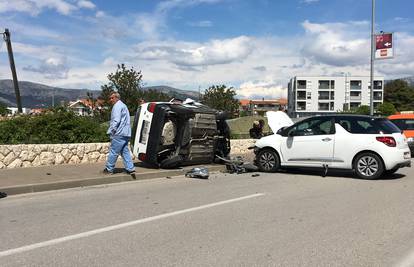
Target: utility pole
{"points": [[371, 99], [6, 37]]}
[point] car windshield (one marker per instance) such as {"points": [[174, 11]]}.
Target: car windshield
{"points": [[404, 124]]}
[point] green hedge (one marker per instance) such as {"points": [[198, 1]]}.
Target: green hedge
{"points": [[53, 127]]}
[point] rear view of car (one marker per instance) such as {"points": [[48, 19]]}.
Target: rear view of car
{"points": [[168, 135], [406, 123]]}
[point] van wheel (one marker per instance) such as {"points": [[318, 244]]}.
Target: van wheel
{"points": [[368, 166], [268, 160]]}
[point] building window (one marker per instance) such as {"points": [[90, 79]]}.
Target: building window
{"points": [[354, 105], [323, 106], [301, 105], [377, 85], [356, 85], [301, 84], [323, 95], [355, 95], [332, 95], [377, 95], [332, 84], [323, 84], [332, 105], [301, 95]]}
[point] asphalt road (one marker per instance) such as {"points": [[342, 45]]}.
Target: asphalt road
{"points": [[283, 219]]}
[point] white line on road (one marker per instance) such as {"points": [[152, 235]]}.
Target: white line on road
{"points": [[119, 226]]}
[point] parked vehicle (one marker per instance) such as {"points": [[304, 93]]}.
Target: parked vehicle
{"points": [[368, 145], [168, 134], [406, 123]]}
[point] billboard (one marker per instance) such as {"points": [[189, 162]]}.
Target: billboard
{"points": [[384, 46]]}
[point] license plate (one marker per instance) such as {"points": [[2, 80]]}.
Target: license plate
{"points": [[407, 155], [144, 132]]}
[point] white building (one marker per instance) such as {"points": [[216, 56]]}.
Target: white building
{"points": [[329, 94]]}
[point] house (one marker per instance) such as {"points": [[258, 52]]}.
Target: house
{"points": [[80, 108], [260, 107], [318, 95]]}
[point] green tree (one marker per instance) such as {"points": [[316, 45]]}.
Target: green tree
{"points": [[386, 109], [3, 109], [363, 110], [222, 98], [127, 82], [400, 94]]}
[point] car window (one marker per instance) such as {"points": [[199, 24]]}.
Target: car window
{"points": [[361, 125], [404, 124], [315, 126]]}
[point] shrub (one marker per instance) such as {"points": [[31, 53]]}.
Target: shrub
{"points": [[53, 127]]}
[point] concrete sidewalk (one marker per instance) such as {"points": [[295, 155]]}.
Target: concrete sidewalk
{"points": [[44, 178]]}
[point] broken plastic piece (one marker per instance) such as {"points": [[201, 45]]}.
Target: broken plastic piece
{"points": [[198, 172]]}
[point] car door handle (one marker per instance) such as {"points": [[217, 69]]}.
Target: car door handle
{"points": [[327, 139]]}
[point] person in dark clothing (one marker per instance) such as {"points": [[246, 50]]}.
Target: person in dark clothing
{"points": [[256, 131]]}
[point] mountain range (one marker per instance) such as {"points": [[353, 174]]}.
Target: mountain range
{"points": [[36, 95]]}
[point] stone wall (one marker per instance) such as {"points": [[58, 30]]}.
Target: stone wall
{"points": [[15, 156]]}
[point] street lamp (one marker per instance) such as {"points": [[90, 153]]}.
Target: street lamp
{"points": [[371, 102]]}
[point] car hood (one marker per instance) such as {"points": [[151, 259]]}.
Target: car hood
{"points": [[277, 120]]}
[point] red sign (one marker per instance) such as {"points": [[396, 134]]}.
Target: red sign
{"points": [[383, 46]]}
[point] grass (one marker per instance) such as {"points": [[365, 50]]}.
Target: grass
{"points": [[240, 127]]}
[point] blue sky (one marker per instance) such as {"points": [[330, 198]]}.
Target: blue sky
{"points": [[254, 46]]}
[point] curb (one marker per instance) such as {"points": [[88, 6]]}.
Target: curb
{"points": [[116, 178]]}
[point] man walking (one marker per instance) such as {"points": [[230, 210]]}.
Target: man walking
{"points": [[120, 132]]}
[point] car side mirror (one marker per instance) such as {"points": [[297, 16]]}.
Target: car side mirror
{"points": [[280, 131]]}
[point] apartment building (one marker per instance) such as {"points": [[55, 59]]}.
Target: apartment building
{"points": [[309, 96]]}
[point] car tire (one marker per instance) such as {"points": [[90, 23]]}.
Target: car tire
{"points": [[268, 160], [368, 166]]}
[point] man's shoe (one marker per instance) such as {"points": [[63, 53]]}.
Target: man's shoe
{"points": [[105, 171], [130, 172]]}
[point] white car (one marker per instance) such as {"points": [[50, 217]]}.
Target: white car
{"points": [[169, 135], [370, 146]]}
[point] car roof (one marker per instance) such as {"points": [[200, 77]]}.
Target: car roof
{"points": [[340, 115]]}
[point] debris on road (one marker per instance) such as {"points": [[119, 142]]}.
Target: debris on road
{"points": [[198, 172], [3, 194], [237, 165], [255, 175]]}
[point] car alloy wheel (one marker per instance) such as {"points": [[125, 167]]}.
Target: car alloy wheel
{"points": [[268, 160], [368, 166]]}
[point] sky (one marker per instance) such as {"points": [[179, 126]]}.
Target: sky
{"points": [[255, 46]]}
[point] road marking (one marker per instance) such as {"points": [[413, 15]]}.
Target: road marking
{"points": [[119, 226], [408, 261]]}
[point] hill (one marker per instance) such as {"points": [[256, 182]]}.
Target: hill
{"points": [[35, 95]]}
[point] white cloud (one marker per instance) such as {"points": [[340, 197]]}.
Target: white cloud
{"points": [[196, 54], [86, 4], [337, 44], [269, 89], [51, 68], [202, 23], [35, 7]]}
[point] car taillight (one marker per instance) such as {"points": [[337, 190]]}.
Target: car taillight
{"points": [[151, 107], [388, 140], [142, 156]]}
